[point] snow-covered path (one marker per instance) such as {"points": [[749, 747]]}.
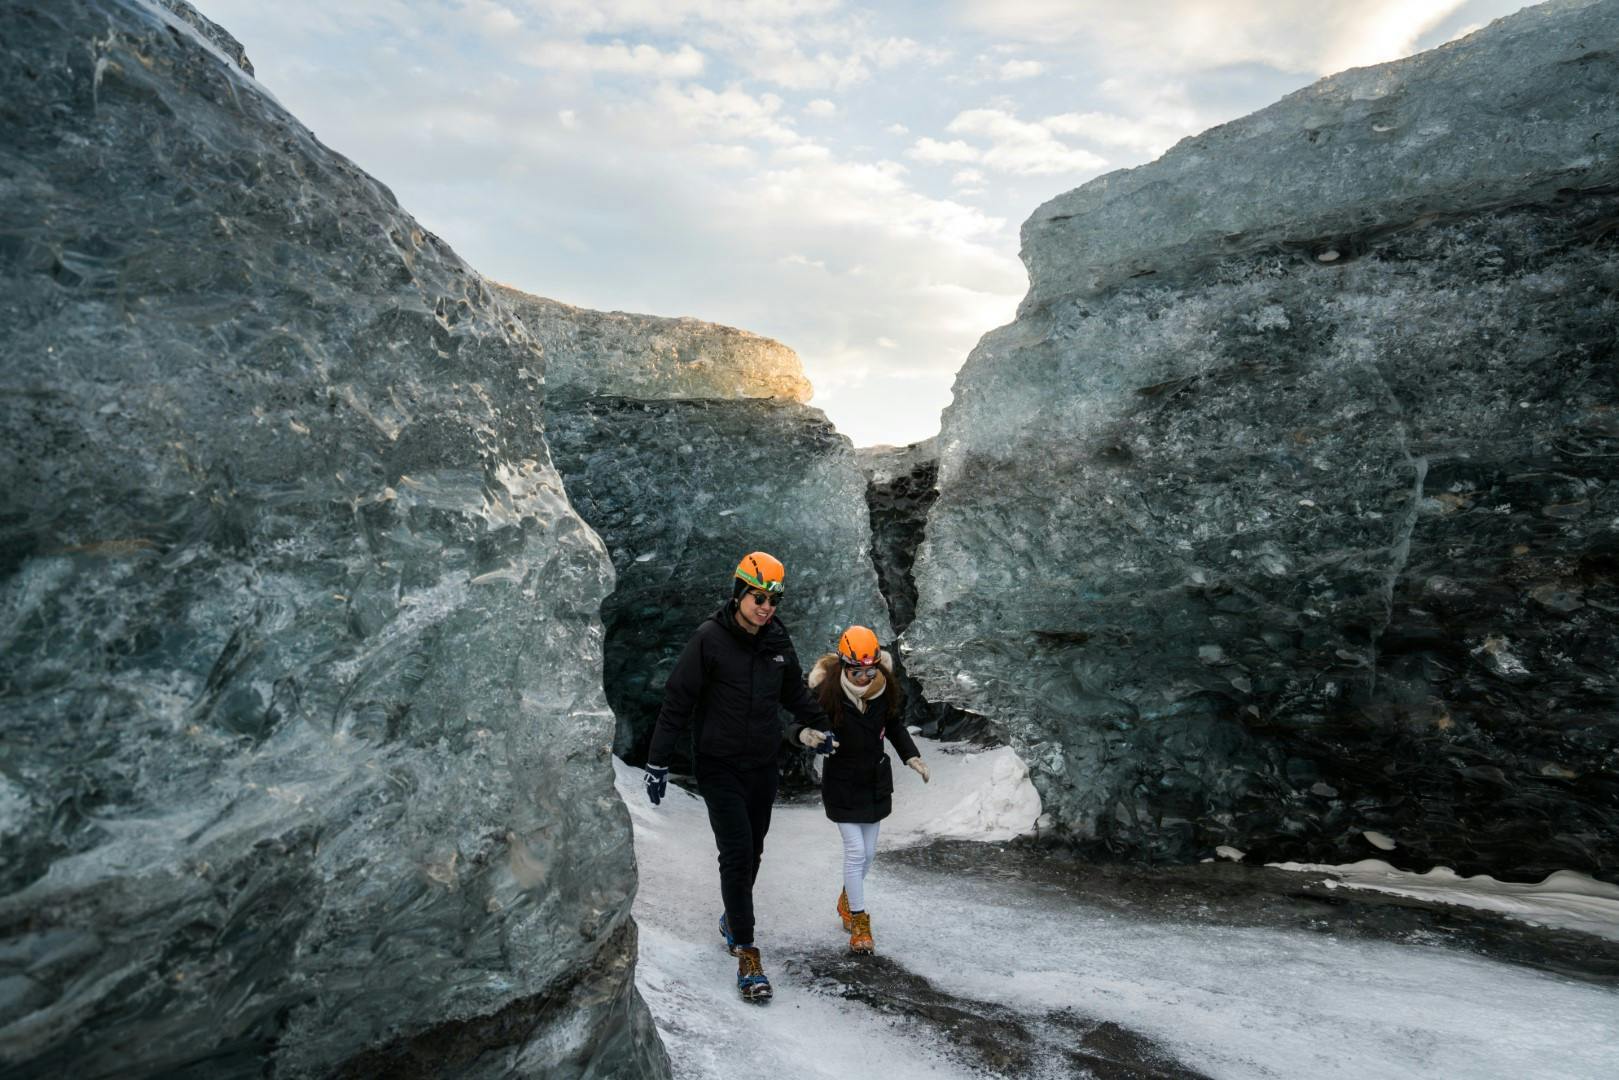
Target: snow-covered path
{"points": [[1225, 1001]]}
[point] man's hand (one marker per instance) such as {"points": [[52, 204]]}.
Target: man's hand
{"points": [[657, 782], [920, 767], [822, 742]]}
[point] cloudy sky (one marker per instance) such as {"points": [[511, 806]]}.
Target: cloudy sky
{"points": [[848, 178]]}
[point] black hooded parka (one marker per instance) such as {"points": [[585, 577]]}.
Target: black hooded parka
{"points": [[729, 687]]}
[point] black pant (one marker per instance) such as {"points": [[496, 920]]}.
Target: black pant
{"points": [[739, 800]]}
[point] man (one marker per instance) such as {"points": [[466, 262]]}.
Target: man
{"points": [[733, 677]]}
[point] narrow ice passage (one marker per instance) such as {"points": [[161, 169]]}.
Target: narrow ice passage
{"points": [[1228, 1002]]}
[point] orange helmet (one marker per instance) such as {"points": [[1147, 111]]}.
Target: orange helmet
{"points": [[858, 647], [762, 571]]}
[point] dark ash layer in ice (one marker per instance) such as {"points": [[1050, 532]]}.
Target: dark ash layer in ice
{"points": [[684, 445], [1286, 510], [901, 487], [305, 765]]}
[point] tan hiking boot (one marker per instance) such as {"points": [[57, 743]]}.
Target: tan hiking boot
{"points": [[843, 910], [860, 933], [751, 981]]}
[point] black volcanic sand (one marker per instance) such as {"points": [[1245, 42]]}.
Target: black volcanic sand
{"points": [[994, 1038]]}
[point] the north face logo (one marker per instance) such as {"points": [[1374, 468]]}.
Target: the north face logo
{"points": [[778, 659]]}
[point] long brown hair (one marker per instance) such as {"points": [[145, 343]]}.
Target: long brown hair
{"points": [[830, 692]]}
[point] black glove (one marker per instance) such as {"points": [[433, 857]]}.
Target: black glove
{"points": [[657, 782]]}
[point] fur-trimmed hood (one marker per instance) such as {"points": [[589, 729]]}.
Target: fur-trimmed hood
{"points": [[828, 665]]}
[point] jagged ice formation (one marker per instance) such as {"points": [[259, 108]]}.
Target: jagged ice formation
{"points": [[1286, 510], [685, 445], [306, 763], [901, 487]]}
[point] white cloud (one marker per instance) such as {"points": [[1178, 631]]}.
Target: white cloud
{"points": [[1193, 35], [891, 52], [729, 114], [887, 343], [795, 70], [616, 16], [795, 44], [1024, 148], [1151, 136], [870, 195], [1021, 69], [1020, 147], [935, 152], [568, 118], [458, 123], [820, 108], [1383, 31], [968, 178], [798, 46], [804, 151], [897, 129], [615, 59], [492, 18], [726, 155]]}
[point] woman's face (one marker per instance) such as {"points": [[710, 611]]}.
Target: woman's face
{"points": [[861, 675]]}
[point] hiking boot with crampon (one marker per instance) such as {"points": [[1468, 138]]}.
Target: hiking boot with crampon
{"points": [[860, 933], [725, 932], [843, 910], [751, 981]]}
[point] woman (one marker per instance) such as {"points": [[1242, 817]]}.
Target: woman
{"points": [[856, 689]]}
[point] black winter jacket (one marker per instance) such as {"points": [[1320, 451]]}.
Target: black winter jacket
{"points": [[729, 686], [857, 782]]}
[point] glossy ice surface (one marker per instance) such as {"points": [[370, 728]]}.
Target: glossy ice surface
{"points": [[306, 757], [1286, 510]]}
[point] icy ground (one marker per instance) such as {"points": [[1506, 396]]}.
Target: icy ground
{"points": [[967, 958]]}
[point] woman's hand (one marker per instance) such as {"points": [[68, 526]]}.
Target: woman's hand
{"points": [[822, 742], [920, 767]]}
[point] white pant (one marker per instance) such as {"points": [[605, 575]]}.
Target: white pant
{"points": [[859, 849]]}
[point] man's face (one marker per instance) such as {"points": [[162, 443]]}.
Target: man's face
{"points": [[754, 612]]}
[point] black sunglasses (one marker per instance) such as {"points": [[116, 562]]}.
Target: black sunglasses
{"points": [[763, 598], [865, 671]]}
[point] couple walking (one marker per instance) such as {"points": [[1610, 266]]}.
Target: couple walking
{"points": [[734, 675]]}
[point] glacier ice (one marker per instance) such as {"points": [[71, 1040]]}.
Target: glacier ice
{"points": [[1285, 511], [622, 354], [684, 445], [306, 759], [901, 487]]}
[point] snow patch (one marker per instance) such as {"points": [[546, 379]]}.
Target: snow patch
{"points": [[1565, 899], [983, 795]]}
